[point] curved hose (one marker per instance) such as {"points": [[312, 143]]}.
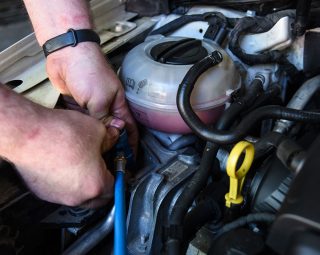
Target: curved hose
{"points": [[210, 17], [227, 137], [177, 23], [184, 201], [270, 96], [245, 220], [200, 178], [299, 101]]}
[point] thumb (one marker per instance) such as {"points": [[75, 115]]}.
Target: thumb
{"points": [[112, 135]]}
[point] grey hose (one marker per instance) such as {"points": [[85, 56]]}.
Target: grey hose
{"points": [[91, 238], [298, 102]]}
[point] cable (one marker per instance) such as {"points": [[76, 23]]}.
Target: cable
{"points": [[258, 25]]}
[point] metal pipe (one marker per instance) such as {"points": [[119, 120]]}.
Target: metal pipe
{"points": [[91, 238], [299, 101]]}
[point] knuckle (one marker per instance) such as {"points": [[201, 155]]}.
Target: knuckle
{"points": [[71, 201], [101, 130], [93, 190]]}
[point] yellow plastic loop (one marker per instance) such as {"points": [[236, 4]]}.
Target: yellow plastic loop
{"points": [[237, 176]]}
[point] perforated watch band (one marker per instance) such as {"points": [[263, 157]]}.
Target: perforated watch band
{"points": [[71, 38]]}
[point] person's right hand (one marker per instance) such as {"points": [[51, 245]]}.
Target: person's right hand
{"points": [[60, 159]]}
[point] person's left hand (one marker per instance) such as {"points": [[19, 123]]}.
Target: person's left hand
{"points": [[83, 73]]}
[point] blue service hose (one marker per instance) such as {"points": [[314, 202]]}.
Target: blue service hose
{"points": [[120, 230], [123, 159]]}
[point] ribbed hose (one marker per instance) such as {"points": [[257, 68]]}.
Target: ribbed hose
{"points": [[227, 137], [299, 101], [198, 181]]}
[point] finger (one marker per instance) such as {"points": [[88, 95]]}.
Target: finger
{"points": [[97, 202], [71, 104], [110, 121], [103, 94], [107, 193], [120, 110], [112, 135]]}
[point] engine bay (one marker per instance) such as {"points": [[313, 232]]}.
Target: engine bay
{"points": [[226, 96]]}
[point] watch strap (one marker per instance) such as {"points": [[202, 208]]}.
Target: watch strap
{"points": [[71, 38]]}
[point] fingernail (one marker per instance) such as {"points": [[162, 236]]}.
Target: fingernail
{"points": [[117, 123]]}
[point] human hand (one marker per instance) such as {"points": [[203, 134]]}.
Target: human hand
{"points": [[61, 161], [84, 73]]}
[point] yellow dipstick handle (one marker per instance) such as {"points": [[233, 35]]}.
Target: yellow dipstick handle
{"points": [[237, 176]]}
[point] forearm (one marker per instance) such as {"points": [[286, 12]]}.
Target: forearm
{"points": [[19, 119], [52, 18]]}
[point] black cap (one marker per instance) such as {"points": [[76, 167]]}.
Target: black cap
{"points": [[182, 52]]}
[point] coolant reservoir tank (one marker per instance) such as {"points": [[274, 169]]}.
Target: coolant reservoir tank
{"points": [[152, 72]]}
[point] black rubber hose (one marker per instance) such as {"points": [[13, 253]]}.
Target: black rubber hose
{"points": [[200, 178], [270, 96], [227, 137], [182, 142], [177, 23], [206, 211], [314, 20], [266, 112], [302, 17], [192, 189], [267, 218], [210, 17]]}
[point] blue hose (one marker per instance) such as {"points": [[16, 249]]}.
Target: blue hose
{"points": [[120, 244], [124, 159]]}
